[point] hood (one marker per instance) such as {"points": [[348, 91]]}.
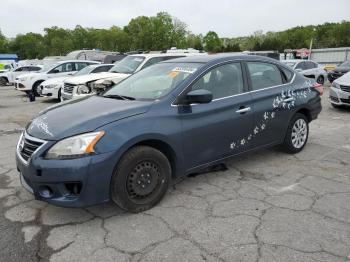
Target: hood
{"points": [[343, 80], [342, 69], [82, 115], [77, 80], [54, 81], [116, 78], [25, 76]]}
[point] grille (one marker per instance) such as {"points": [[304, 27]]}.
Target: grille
{"points": [[68, 88], [29, 146], [345, 88]]}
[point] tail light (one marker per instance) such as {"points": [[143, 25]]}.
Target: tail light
{"points": [[318, 88]]}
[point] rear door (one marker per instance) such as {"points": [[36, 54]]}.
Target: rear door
{"points": [[272, 101], [223, 126]]}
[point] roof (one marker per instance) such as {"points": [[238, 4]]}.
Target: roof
{"points": [[164, 54], [98, 65], [218, 58], [76, 60]]}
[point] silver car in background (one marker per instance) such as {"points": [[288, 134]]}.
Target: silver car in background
{"points": [[308, 68], [339, 92]]}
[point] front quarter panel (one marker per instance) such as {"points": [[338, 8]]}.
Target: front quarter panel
{"points": [[161, 124]]}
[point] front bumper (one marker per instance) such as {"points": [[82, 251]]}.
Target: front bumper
{"points": [[49, 92], [338, 96], [21, 86], [77, 182]]}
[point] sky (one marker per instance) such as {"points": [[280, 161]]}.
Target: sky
{"points": [[229, 18]]}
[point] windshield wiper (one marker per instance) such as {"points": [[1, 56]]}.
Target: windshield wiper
{"points": [[120, 97]]}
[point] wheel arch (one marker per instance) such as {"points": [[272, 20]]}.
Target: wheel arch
{"points": [[5, 77], [37, 82], [163, 147], [306, 112]]}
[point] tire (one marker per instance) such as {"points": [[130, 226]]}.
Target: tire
{"points": [[3, 81], [35, 88], [141, 179], [59, 96], [295, 138], [320, 80]]}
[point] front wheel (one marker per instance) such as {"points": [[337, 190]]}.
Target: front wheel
{"points": [[36, 89], [297, 134], [3, 81], [141, 179]]}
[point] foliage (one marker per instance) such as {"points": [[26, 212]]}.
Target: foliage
{"points": [[212, 42], [162, 32]]}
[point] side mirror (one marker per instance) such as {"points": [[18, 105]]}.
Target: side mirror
{"points": [[200, 96], [55, 71], [298, 70]]}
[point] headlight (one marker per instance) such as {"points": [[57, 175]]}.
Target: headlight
{"points": [[50, 86], [74, 147], [335, 85], [83, 89]]}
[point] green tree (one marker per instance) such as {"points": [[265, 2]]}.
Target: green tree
{"points": [[3, 43], [212, 42]]}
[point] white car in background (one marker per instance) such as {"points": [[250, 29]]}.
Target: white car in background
{"points": [[32, 81], [81, 86], [339, 92], [52, 87], [308, 68], [10, 76]]}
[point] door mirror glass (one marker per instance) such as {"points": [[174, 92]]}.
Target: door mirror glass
{"points": [[199, 96]]}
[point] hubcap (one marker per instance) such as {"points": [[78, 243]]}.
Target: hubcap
{"points": [[143, 180], [299, 133]]}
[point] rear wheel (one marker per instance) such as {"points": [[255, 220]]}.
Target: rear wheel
{"points": [[141, 179], [297, 134]]}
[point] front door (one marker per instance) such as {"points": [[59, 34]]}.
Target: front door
{"points": [[222, 127]]}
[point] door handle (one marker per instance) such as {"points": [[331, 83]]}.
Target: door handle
{"points": [[243, 110], [289, 99]]}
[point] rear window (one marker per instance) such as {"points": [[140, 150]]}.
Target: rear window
{"points": [[264, 75], [287, 74]]}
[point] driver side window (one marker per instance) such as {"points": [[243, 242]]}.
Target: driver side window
{"points": [[67, 67], [222, 81]]}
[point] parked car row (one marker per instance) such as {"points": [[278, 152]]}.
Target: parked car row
{"points": [[163, 121]]}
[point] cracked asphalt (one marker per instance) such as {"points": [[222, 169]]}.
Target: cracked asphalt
{"points": [[267, 206]]}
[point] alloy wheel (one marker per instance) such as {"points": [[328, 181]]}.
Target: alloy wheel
{"points": [[299, 133]]}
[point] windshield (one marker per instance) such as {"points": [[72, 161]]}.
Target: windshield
{"points": [[345, 64], [47, 67], [153, 82], [127, 65], [288, 63], [86, 70]]}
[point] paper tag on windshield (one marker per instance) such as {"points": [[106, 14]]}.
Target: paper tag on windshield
{"points": [[188, 70], [138, 59]]}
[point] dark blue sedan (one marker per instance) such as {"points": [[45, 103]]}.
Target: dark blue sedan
{"points": [[166, 121]]}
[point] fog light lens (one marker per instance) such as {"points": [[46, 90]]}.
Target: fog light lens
{"points": [[45, 192]]}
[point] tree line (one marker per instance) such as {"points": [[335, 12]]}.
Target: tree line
{"points": [[162, 32]]}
